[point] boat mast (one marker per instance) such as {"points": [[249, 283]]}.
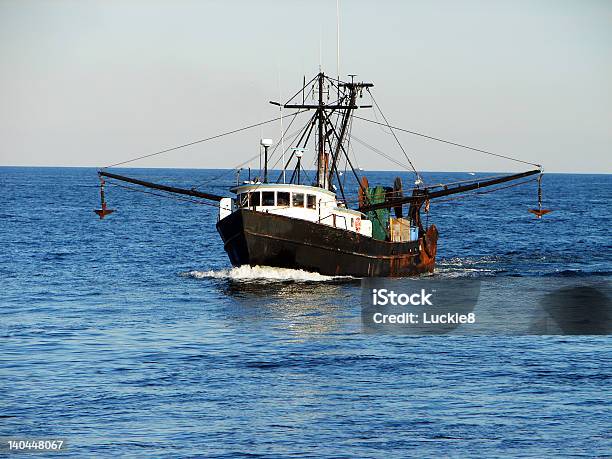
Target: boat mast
{"points": [[326, 131], [345, 122], [322, 156]]}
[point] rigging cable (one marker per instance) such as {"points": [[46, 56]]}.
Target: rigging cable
{"points": [[380, 152], [469, 193], [283, 134], [418, 176], [382, 128], [226, 172], [290, 137], [204, 140], [239, 166], [167, 196], [450, 143], [473, 193], [473, 180], [349, 147]]}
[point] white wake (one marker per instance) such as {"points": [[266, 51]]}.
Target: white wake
{"points": [[263, 273]]}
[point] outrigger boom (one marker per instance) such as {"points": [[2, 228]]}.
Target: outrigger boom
{"points": [[157, 186], [419, 195], [424, 194]]}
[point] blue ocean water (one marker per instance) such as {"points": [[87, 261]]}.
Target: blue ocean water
{"points": [[132, 336]]}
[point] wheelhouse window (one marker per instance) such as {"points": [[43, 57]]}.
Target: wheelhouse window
{"points": [[267, 198], [282, 199], [255, 199], [298, 200], [311, 201]]}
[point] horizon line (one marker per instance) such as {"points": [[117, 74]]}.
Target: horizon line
{"points": [[234, 169]]}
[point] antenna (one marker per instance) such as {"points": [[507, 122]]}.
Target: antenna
{"points": [[320, 48], [338, 43], [282, 136]]}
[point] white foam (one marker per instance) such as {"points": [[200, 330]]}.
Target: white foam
{"points": [[463, 272], [457, 261], [263, 273]]}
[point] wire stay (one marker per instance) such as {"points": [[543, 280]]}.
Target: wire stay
{"points": [[447, 141], [204, 140]]}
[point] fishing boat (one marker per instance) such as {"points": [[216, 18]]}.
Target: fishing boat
{"points": [[312, 223]]}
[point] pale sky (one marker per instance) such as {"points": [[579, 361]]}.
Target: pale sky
{"points": [[90, 83]]}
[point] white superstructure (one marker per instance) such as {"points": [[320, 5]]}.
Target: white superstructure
{"points": [[296, 201]]}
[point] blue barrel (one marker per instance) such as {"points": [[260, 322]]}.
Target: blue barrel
{"points": [[414, 233]]}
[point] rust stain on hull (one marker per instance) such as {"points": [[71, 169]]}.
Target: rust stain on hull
{"points": [[423, 262]]}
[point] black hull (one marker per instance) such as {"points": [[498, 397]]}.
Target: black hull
{"points": [[258, 238]]}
